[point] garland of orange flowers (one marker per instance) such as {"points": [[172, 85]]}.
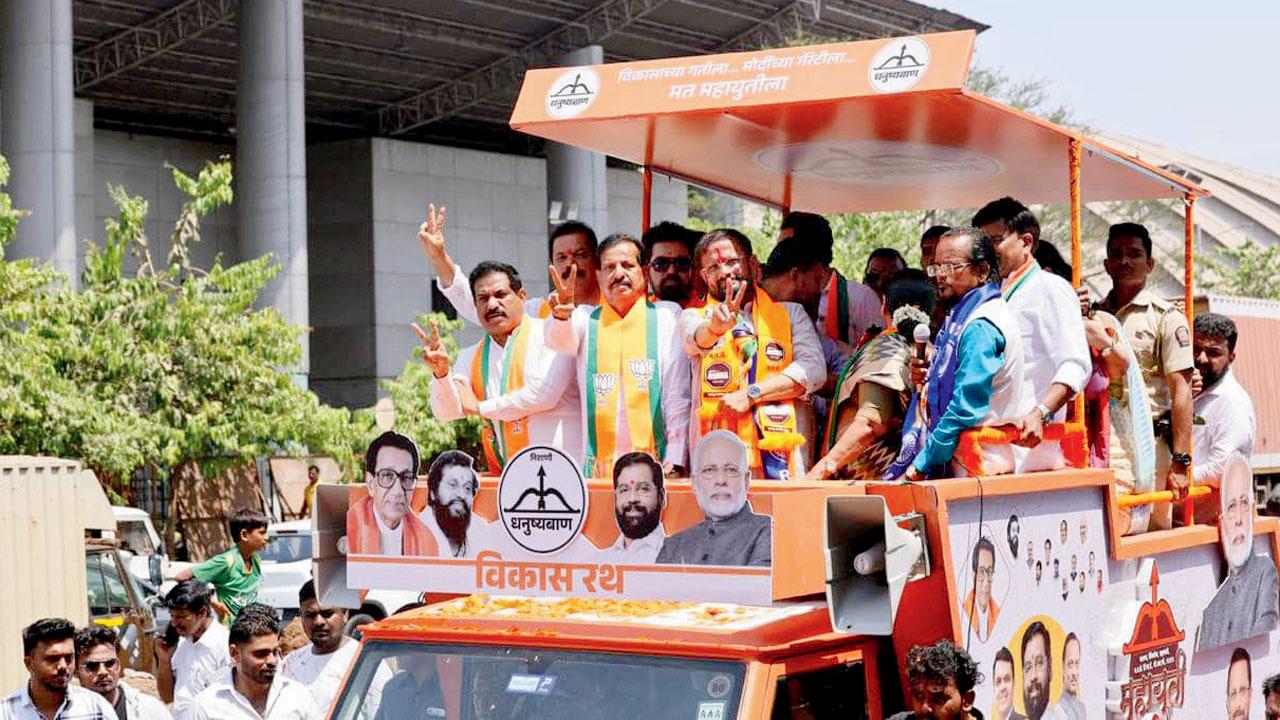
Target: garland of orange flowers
{"points": [[561, 608]]}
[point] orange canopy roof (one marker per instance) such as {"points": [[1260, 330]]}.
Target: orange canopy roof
{"points": [[872, 125]]}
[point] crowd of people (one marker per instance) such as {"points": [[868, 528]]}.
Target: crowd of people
{"points": [[646, 344]]}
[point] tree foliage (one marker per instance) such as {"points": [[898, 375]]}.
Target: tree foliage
{"points": [[169, 364], [1249, 270]]}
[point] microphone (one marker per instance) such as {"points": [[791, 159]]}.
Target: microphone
{"points": [[921, 336]]}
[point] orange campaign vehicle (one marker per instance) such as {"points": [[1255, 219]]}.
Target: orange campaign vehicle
{"points": [[564, 598]]}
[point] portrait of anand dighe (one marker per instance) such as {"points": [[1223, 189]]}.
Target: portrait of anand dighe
{"points": [[384, 523], [731, 533]]}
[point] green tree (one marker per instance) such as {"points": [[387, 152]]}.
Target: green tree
{"points": [[161, 366], [1249, 270]]}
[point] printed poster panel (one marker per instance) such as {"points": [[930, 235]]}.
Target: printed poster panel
{"points": [[1031, 574], [1126, 645], [544, 530]]}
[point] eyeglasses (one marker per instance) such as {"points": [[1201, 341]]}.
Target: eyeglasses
{"points": [[1033, 664], [727, 265], [944, 268], [665, 264], [387, 479], [93, 665], [986, 573]]}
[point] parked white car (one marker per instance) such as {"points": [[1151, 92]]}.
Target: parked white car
{"points": [[286, 566]]}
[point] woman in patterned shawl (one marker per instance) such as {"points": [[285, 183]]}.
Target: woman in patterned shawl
{"points": [[864, 430]]}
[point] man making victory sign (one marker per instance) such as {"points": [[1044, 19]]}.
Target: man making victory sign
{"points": [[756, 356], [633, 375], [525, 391]]}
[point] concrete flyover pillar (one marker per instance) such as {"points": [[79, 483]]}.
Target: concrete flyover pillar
{"points": [[271, 153], [37, 127], [575, 176]]}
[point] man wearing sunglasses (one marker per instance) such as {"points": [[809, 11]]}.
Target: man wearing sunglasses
{"points": [[98, 667], [322, 664], [383, 523], [670, 270]]}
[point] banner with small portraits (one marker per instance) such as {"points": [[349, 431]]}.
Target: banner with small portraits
{"points": [[1031, 572], [544, 529], [1061, 629]]}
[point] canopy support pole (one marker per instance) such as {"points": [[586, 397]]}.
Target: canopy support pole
{"points": [[646, 199], [786, 196], [1188, 262], [1075, 155]]}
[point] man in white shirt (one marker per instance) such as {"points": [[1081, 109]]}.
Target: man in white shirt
{"points": [[323, 664], [1229, 424], [846, 308], [253, 690], [98, 668], [571, 247], [202, 654], [633, 373], [49, 652], [526, 391], [1056, 361], [752, 366], [639, 498]]}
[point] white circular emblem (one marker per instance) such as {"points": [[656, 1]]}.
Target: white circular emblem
{"points": [[899, 65], [878, 162], [542, 500], [572, 93]]}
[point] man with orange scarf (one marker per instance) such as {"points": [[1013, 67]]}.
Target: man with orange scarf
{"points": [[756, 356], [632, 373], [524, 391], [571, 247]]}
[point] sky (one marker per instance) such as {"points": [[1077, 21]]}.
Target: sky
{"points": [[1202, 77]]}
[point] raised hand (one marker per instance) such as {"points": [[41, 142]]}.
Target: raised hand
{"points": [[725, 315], [431, 232], [433, 352], [561, 300]]}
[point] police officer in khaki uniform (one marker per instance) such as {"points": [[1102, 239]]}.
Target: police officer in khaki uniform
{"points": [[1161, 339]]}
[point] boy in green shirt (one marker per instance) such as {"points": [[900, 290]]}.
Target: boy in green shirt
{"points": [[236, 573]]}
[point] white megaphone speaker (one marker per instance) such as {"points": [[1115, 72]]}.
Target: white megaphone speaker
{"points": [[870, 558], [329, 547]]}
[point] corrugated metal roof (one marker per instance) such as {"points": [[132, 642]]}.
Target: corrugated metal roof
{"points": [[367, 56]]}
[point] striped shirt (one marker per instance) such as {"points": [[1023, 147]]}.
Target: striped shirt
{"points": [[79, 704]]}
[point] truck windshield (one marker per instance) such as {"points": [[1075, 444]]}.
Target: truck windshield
{"points": [[397, 680]]}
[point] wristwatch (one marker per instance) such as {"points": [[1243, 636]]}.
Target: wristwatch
{"points": [[754, 392], [1182, 459], [1045, 413]]}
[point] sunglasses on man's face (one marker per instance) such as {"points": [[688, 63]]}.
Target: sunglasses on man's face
{"points": [[93, 665], [665, 264]]}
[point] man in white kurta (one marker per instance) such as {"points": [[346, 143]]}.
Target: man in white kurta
{"points": [[548, 400], [543, 406], [572, 250], [1056, 361], [623, 283]]}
